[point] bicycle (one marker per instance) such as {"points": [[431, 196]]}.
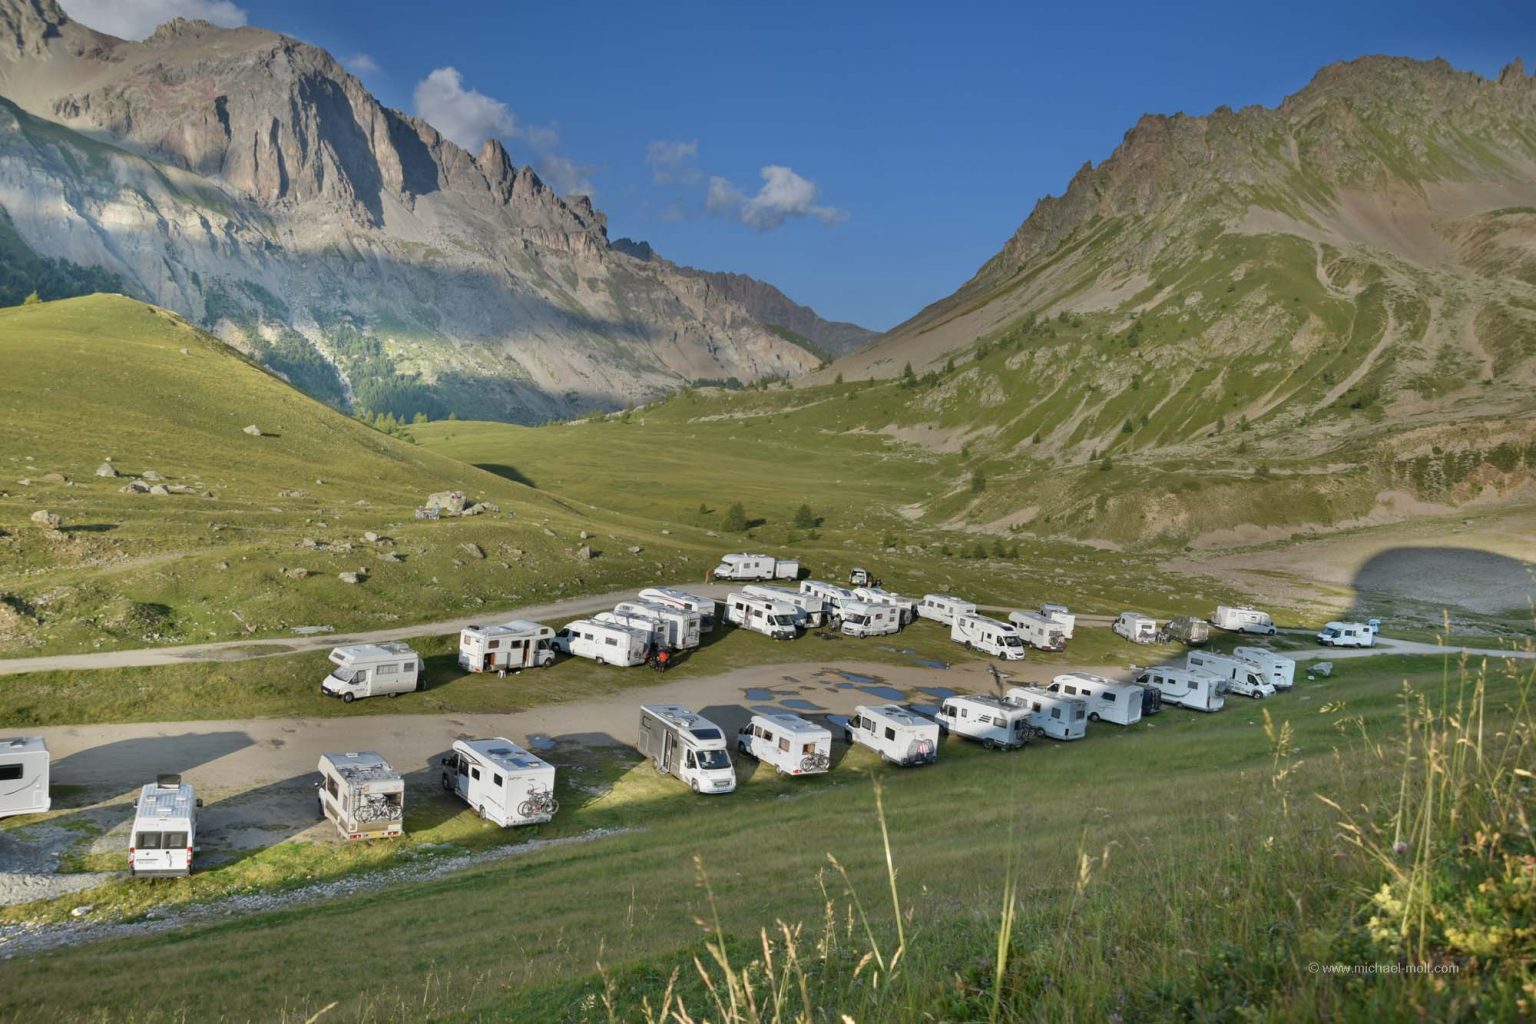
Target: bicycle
{"points": [[539, 802]]}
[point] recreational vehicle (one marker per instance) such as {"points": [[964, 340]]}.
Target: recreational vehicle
{"points": [[1242, 676], [164, 835], [1277, 668], [863, 619], [1243, 619], [1039, 631], [874, 595], [509, 647], [811, 609], [678, 628], [373, 670], [362, 795], [686, 746], [1188, 630], [1136, 627], [832, 596], [1185, 688], [990, 721], [756, 567], [763, 615], [505, 784], [1059, 614], [1055, 714], [1348, 634], [606, 643], [1108, 701], [792, 745], [979, 633], [24, 776], [674, 598], [893, 732], [943, 608]]}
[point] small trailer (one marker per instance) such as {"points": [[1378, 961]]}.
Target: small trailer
{"points": [[792, 745], [1108, 701], [1185, 688], [1136, 627], [373, 670], [675, 598], [164, 835], [1242, 676], [1349, 634], [606, 643], [832, 597], [943, 608], [1055, 714], [1277, 668], [875, 595], [1188, 630], [509, 647], [896, 734], [1039, 631], [991, 721], [24, 776], [763, 615], [863, 619], [756, 567], [812, 609], [989, 636], [362, 795], [505, 784], [686, 746], [678, 628], [1243, 619], [1059, 614]]}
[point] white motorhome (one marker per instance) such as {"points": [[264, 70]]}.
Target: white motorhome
{"points": [[24, 776], [1039, 630], [675, 598], [1136, 627], [1185, 688], [763, 615], [606, 643], [943, 608], [979, 633], [509, 647], [861, 619], [164, 835], [1349, 634], [1243, 619], [1055, 714], [686, 746], [990, 721], [362, 794], [505, 784], [1242, 676], [1108, 701], [756, 567], [1280, 670], [1059, 614], [812, 609], [875, 595], [791, 744], [832, 596], [678, 628], [373, 670], [896, 734]]}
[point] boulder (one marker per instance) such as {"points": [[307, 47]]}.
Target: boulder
{"points": [[585, 535], [253, 430], [635, 550], [106, 469], [135, 487], [447, 502], [389, 556], [584, 553], [152, 476], [296, 574], [158, 489], [55, 478], [371, 537], [349, 577], [47, 520], [474, 550]]}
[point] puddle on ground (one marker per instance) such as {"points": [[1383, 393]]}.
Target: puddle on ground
{"points": [[800, 705], [931, 663], [884, 692], [539, 741], [758, 693], [938, 691]]}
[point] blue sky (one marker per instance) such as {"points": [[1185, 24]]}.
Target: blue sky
{"points": [[926, 130]]}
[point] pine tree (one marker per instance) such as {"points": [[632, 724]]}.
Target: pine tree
{"points": [[735, 519], [805, 519]]}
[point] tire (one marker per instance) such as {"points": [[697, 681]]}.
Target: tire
{"points": [[988, 744], [1093, 716], [481, 811], [599, 660], [347, 698], [693, 784], [392, 696], [970, 646], [321, 802], [447, 784]]}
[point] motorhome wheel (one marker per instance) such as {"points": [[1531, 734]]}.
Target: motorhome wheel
{"points": [[1094, 717], [347, 698], [987, 743], [447, 783], [392, 696], [321, 801], [970, 646], [599, 660], [694, 783]]}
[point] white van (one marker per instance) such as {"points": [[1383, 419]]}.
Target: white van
{"points": [[862, 619], [756, 567], [1055, 714], [164, 835], [24, 776], [1039, 630], [979, 633], [1349, 634], [875, 595], [678, 628], [1242, 676], [505, 784], [1185, 688], [763, 615], [1059, 614], [1136, 627], [686, 746], [1277, 668], [943, 608], [1243, 619], [362, 794], [811, 609], [373, 670], [990, 721], [1108, 701], [509, 647], [791, 744], [606, 643], [893, 732], [675, 598]]}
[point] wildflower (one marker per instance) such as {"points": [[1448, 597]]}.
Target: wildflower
{"points": [[1400, 847]]}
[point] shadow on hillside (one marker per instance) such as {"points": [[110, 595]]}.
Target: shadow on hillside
{"points": [[507, 473], [89, 528], [1427, 583]]}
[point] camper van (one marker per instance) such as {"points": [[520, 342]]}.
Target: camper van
{"points": [[862, 619], [811, 609], [678, 628], [1059, 614], [896, 734], [373, 670], [362, 795], [1242, 676], [606, 643], [832, 597], [164, 835], [1277, 668], [1348, 634], [979, 633], [792, 745], [943, 608], [1039, 631], [763, 615], [1243, 619], [509, 647], [756, 567], [1136, 627], [24, 776], [874, 595], [1055, 714], [505, 784], [990, 721], [1185, 688], [686, 746], [858, 576], [1188, 630], [674, 598], [1108, 701]]}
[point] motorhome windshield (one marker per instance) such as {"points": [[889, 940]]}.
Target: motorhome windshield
{"points": [[857, 620], [344, 675], [1012, 641], [784, 620], [711, 760], [708, 734], [1330, 631]]}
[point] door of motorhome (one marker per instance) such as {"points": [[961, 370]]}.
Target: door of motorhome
{"points": [[373, 670], [505, 784], [678, 628], [811, 609], [1039, 630], [1280, 670], [1188, 630], [1348, 634], [832, 596], [896, 734], [1243, 619], [606, 643], [792, 745], [24, 776], [1185, 688], [1136, 627], [509, 647], [675, 598], [943, 608], [362, 795], [1242, 676], [164, 835], [1055, 714], [989, 636], [1108, 701], [763, 615], [687, 746], [990, 721], [875, 595]]}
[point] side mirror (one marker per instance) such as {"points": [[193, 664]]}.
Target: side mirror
{"points": [[446, 761], [198, 801]]}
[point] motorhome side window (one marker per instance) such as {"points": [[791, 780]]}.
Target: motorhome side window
{"points": [[890, 733], [689, 759], [784, 743], [494, 644], [148, 841], [387, 670], [330, 785], [10, 772], [1109, 697], [1055, 712], [611, 642], [174, 840], [496, 780], [463, 765], [474, 773]]}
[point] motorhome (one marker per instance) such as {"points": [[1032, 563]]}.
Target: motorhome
{"points": [[505, 784], [991, 721], [675, 598], [756, 567], [792, 745], [1136, 627], [1243, 619], [1055, 714], [989, 636], [1348, 634], [24, 776], [606, 643], [678, 628], [164, 836], [1039, 631], [1242, 676], [686, 746], [1059, 614], [832, 596], [875, 595], [812, 610], [1188, 630], [1185, 688], [943, 608], [509, 647], [862, 619], [896, 734], [373, 670], [763, 615], [1278, 669], [1108, 701], [362, 795]]}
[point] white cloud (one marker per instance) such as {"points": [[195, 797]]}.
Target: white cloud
{"points": [[466, 116], [784, 194], [723, 199], [362, 64], [137, 19], [672, 161], [565, 175]]}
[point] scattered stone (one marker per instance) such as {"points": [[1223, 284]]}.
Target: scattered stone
{"points": [[293, 492], [389, 556], [666, 533], [1323, 668], [711, 533], [296, 574], [371, 537], [253, 430], [516, 553], [548, 532], [474, 550], [312, 630], [159, 489], [152, 476], [585, 535], [82, 910], [635, 550], [135, 487], [180, 489], [24, 482], [223, 566], [310, 542], [55, 478], [584, 553], [106, 469], [349, 577], [491, 507], [48, 520], [345, 545]]}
